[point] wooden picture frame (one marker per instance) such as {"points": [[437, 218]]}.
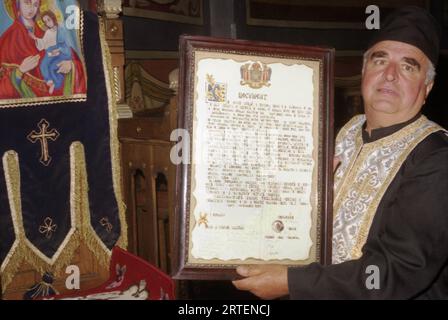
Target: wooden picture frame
{"points": [[188, 12], [242, 226], [318, 14]]}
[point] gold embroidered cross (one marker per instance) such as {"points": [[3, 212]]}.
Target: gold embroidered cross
{"points": [[106, 224], [43, 136], [48, 227]]}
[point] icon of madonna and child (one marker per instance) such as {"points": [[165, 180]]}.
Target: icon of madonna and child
{"points": [[40, 56]]}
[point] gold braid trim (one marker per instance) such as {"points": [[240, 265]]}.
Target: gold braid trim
{"points": [[16, 255], [114, 144], [23, 250], [64, 254], [59, 262], [89, 236]]}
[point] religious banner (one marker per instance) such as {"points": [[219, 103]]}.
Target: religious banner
{"points": [[59, 174], [256, 188]]}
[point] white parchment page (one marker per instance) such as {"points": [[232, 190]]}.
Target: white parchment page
{"points": [[253, 160]]}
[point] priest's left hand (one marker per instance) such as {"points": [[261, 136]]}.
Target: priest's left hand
{"points": [[264, 281], [64, 66]]}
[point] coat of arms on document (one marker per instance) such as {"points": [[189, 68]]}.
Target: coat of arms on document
{"points": [[256, 75]]}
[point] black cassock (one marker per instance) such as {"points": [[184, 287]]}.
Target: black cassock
{"points": [[408, 239]]}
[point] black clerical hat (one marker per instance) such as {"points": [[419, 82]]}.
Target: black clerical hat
{"points": [[414, 26]]}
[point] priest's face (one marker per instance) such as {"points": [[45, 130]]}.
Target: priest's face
{"points": [[29, 8], [394, 82]]}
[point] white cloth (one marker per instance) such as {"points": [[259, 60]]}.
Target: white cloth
{"points": [[48, 40]]}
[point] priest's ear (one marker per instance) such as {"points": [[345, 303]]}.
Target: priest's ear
{"points": [[430, 75], [429, 88]]}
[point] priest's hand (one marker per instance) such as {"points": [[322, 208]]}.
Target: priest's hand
{"points": [[29, 63], [64, 66], [264, 281]]}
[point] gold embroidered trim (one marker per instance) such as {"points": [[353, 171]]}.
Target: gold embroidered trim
{"points": [[92, 240], [368, 218], [16, 254], [114, 143], [357, 160], [47, 228], [23, 250], [348, 173], [104, 222], [338, 182], [346, 128]]}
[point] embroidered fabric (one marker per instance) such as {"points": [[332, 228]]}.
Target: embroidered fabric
{"points": [[361, 180]]}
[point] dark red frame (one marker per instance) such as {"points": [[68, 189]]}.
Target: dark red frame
{"points": [[188, 45]]}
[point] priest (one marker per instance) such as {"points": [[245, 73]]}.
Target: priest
{"points": [[390, 228]]}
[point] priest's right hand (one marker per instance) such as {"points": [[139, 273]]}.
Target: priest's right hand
{"points": [[29, 63], [264, 281]]}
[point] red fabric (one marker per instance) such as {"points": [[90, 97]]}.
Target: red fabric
{"points": [[11, 53], [127, 271], [15, 46]]}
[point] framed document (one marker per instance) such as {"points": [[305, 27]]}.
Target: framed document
{"points": [[255, 184]]}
